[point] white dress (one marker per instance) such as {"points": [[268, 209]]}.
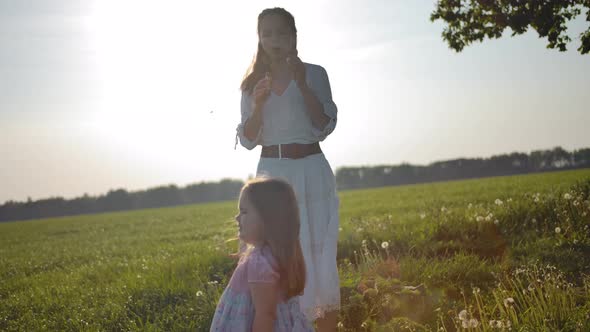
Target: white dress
{"points": [[286, 120]]}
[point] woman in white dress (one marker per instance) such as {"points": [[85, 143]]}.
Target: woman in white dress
{"points": [[287, 108]]}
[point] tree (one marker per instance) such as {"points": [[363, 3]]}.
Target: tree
{"points": [[473, 20]]}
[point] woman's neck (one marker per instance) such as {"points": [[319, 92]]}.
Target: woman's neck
{"points": [[280, 69]]}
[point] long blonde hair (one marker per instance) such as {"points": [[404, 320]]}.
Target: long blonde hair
{"points": [[276, 204], [261, 62]]}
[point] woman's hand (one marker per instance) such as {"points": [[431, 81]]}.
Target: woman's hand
{"points": [[262, 91], [298, 69]]}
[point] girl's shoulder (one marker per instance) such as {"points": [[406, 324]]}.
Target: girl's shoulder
{"points": [[263, 253], [262, 266], [313, 67]]}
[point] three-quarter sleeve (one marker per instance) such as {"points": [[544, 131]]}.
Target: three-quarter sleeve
{"points": [[246, 111], [320, 85]]}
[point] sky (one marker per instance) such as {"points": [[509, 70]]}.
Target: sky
{"points": [[102, 94]]}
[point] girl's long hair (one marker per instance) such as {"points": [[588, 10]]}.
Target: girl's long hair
{"points": [[261, 62], [275, 202]]}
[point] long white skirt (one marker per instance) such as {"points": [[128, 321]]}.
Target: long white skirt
{"points": [[315, 188]]}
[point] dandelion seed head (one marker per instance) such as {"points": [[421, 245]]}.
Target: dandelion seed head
{"points": [[508, 302], [384, 244], [463, 315], [557, 230]]}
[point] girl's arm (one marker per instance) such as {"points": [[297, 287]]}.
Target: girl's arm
{"points": [[265, 299], [253, 124], [319, 119], [259, 95], [314, 106]]}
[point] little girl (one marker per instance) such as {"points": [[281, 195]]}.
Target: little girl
{"points": [[262, 294]]}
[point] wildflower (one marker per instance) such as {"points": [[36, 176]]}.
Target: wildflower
{"points": [[199, 293], [476, 290], [508, 302], [443, 209], [340, 325], [489, 217], [364, 325], [360, 229], [463, 315], [364, 242], [498, 202], [384, 245], [567, 196], [536, 199], [509, 200], [576, 203], [214, 282], [422, 215], [496, 221], [557, 230], [469, 206], [479, 218], [472, 323], [534, 221]]}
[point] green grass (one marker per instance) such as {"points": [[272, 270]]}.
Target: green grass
{"points": [[164, 269]]}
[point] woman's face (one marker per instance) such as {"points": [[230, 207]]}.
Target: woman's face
{"points": [[278, 41], [249, 221]]}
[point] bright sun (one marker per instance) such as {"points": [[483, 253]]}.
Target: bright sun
{"points": [[164, 73]]}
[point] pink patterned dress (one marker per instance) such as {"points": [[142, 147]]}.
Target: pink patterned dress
{"points": [[235, 310]]}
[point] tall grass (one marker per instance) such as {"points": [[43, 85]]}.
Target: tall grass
{"points": [[409, 259]]}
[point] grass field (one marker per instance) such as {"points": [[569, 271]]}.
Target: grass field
{"points": [[480, 254]]}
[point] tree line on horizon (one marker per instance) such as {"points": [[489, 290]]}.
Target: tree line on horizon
{"points": [[346, 178]]}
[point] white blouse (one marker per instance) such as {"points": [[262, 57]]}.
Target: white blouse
{"points": [[285, 118]]}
